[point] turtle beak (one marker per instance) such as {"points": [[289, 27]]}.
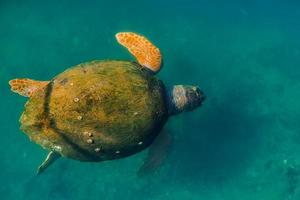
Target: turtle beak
{"points": [[195, 97], [200, 95]]}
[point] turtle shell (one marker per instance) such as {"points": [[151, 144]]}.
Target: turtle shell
{"points": [[96, 111]]}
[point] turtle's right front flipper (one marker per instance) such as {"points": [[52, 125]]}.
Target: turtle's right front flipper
{"points": [[51, 157], [26, 87], [157, 153]]}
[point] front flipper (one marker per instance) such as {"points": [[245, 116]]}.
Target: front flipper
{"points": [[26, 87], [51, 157], [157, 154], [146, 53]]}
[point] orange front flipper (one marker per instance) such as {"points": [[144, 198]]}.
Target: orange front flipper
{"points": [[26, 87], [146, 53]]}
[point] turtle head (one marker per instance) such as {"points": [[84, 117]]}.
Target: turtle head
{"points": [[184, 98]]}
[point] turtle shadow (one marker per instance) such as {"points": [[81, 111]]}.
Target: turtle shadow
{"points": [[216, 145], [217, 142]]}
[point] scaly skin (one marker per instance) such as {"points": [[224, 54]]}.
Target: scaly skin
{"points": [[97, 111]]}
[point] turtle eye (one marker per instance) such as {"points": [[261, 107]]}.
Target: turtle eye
{"points": [[198, 91]]}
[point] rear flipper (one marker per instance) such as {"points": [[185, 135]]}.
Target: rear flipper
{"points": [[157, 154], [51, 157]]}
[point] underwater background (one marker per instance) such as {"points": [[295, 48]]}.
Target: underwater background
{"points": [[243, 143]]}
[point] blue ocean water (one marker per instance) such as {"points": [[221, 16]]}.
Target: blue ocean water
{"points": [[243, 143]]}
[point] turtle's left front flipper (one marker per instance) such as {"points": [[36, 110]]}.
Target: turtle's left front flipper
{"points": [[157, 153], [51, 157], [26, 87], [146, 53]]}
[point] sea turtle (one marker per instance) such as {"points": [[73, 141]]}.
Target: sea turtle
{"points": [[104, 110]]}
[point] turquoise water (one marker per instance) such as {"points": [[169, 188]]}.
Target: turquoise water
{"points": [[244, 143]]}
